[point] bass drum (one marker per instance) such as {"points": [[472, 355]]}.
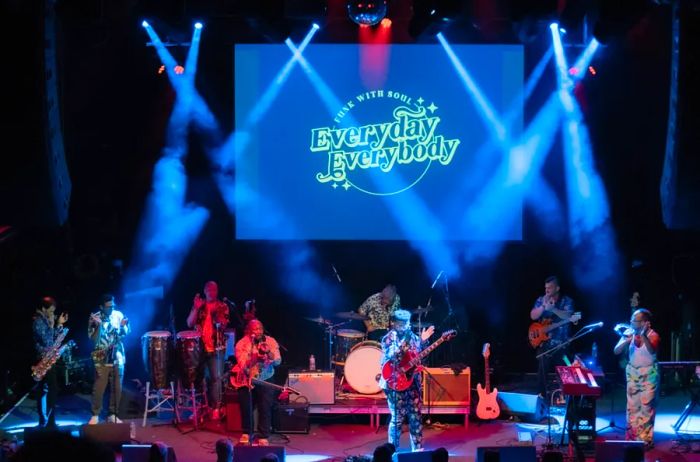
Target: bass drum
{"points": [[362, 369]]}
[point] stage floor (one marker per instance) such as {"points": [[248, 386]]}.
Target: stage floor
{"points": [[336, 437]]}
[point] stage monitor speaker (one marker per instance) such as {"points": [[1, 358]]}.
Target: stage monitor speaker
{"points": [[31, 434], [142, 453], [245, 453], [421, 456], [441, 386], [617, 450], [506, 454], [318, 387], [110, 434], [528, 407]]}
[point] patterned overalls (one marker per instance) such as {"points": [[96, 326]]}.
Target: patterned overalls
{"points": [[642, 385]]}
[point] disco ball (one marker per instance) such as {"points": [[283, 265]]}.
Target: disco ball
{"points": [[367, 12]]}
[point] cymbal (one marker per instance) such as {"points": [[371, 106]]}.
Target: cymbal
{"points": [[319, 320], [422, 310], [350, 315]]}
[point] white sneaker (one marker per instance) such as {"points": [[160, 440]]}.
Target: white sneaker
{"points": [[114, 419], [94, 420]]}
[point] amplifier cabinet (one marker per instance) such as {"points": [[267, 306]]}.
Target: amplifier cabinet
{"points": [[318, 387], [291, 418], [442, 387]]}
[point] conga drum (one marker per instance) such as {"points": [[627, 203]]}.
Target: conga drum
{"points": [[189, 354], [155, 350]]}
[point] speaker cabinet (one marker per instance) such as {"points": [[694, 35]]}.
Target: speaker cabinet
{"points": [[318, 387], [233, 411], [422, 456], [291, 418], [530, 408], [506, 454], [142, 453], [245, 453], [110, 434], [441, 386]]}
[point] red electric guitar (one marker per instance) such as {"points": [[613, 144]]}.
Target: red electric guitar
{"points": [[399, 375], [488, 405]]}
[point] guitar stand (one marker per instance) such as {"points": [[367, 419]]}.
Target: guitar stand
{"points": [[442, 390]]}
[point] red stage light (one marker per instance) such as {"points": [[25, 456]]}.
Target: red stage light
{"points": [[386, 22], [179, 70], [161, 69], [591, 69], [573, 71]]}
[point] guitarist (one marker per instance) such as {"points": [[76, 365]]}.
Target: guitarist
{"points": [[552, 307], [406, 403], [257, 355]]}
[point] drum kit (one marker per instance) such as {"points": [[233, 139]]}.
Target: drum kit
{"points": [[358, 357]]}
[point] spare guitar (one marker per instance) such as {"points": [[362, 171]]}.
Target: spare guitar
{"points": [[487, 408], [538, 333], [399, 374]]}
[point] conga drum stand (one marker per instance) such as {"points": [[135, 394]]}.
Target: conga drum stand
{"points": [[162, 399], [192, 400]]}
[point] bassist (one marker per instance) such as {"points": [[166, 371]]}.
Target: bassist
{"points": [[552, 307], [407, 403]]}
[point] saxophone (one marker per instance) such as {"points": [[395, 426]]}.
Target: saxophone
{"points": [[40, 369]]}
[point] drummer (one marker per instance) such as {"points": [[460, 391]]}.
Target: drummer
{"points": [[210, 316], [378, 309]]}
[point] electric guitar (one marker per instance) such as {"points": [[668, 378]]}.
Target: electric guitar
{"points": [[487, 408], [399, 374], [239, 379], [538, 333]]}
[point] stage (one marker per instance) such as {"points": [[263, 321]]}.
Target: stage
{"points": [[339, 436]]}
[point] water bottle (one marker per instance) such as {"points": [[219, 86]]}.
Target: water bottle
{"points": [[312, 363], [594, 351], [132, 431]]}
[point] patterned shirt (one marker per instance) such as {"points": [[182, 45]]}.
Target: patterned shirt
{"points": [[107, 336], [208, 316], [378, 315], [245, 349], [44, 335], [561, 333], [391, 346]]}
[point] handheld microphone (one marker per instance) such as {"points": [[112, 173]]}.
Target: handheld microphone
{"points": [[229, 302], [437, 279]]}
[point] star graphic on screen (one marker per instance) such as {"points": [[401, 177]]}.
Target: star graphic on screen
{"points": [[346, 185], [420, 101], [432, 107], [334, 186]]}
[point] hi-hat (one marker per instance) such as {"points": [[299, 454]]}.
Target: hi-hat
{"points": [[421, 310], [350, 315], [319, 320]]}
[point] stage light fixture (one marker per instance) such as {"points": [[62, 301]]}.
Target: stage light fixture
{"points": [[386, 22], [198, 25], [179, 70], [144, 23], [367, 12]]}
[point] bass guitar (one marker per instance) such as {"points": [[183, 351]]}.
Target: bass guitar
{"points": [[399, 374], [538, 333], [487, 408], [239, 379]]}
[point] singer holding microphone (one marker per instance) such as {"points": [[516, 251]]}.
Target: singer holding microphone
{"points": [[257, 355], [107, 328], [210, 316], [640, 343]]}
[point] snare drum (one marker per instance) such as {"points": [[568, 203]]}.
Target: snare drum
{"points": [[362, 367], [189, 354], [345, 340], [155, 350]]}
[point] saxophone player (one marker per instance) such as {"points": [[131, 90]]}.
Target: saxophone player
{"points": [[46, 327], [106, 328]]}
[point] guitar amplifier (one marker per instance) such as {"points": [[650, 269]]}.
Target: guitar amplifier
{"points": [[291, 418], [441, 386], [233, 411], [318, 387]]}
